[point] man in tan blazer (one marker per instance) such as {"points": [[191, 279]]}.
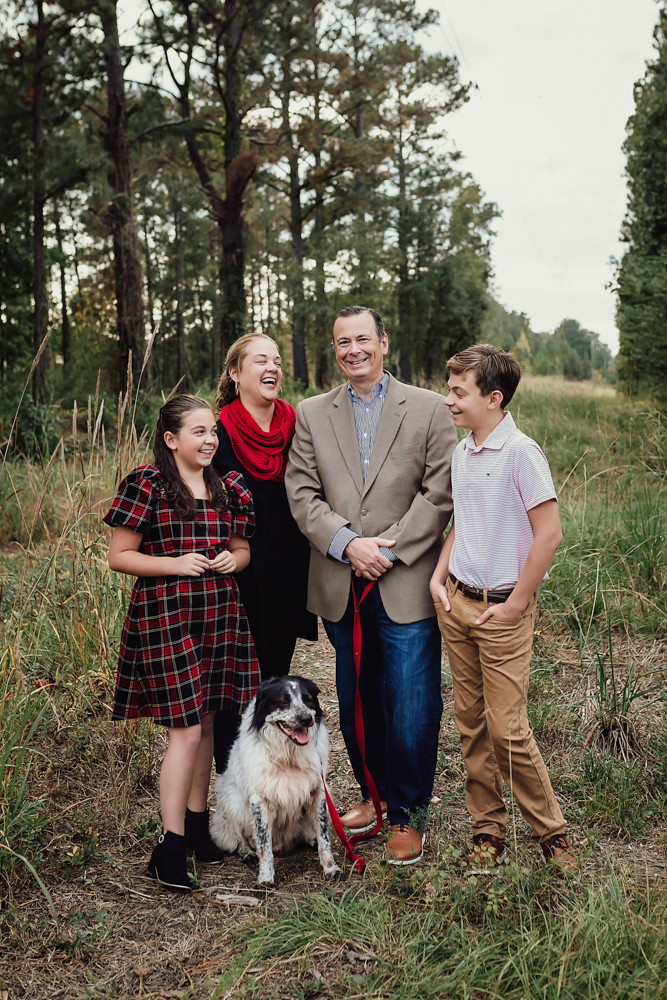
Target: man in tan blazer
{"points": [[368, 482]]}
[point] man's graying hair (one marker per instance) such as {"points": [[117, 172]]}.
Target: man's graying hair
{"points": [[357, 311]]}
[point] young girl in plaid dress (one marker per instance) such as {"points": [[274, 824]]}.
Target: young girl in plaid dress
{"points": [[186, 648]]}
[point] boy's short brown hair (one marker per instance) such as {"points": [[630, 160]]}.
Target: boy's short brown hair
{"points": [[494, 369]]}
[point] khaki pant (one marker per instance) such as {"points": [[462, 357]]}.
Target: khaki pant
{"points": [[490, 665]]}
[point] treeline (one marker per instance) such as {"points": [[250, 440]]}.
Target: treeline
{"points": [[241, 165], [642, 272], [571, 351]]}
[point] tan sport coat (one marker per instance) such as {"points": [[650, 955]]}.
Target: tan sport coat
{"points": [[406, 496]]}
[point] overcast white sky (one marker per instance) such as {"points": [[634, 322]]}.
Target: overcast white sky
{"points": [[543, 134]]}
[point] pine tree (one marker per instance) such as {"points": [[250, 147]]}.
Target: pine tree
{"points": [[226, 36], [642, 274], [421, 90], [120, 214]]}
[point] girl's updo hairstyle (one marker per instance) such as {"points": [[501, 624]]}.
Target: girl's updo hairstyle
{"points": [[235, 357], [176, 492]]}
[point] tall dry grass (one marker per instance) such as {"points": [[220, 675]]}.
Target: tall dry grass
{"points": [[425, 933], [62, 608]]}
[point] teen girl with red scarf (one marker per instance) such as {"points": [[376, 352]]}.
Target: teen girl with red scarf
{"points": [[255, 430]]}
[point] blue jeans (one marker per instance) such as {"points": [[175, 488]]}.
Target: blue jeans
{"points": [[399, 684]]}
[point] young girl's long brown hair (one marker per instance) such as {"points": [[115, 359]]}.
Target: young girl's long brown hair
{"points": [[176, 492]]}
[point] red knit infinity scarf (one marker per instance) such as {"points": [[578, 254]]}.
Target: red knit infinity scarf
{"points": [[263, 455]]}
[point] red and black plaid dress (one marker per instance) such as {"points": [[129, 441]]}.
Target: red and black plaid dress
{"points": [[186, 648]]}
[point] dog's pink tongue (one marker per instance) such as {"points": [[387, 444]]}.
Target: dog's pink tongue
{"points": [[301, 737]]}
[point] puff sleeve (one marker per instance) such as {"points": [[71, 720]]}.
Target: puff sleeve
{"points": [[241, 505], [133, 505]]}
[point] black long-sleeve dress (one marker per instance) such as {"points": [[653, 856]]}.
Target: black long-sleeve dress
{"points": [[273, 586]]}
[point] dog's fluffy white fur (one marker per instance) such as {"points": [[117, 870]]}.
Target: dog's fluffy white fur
{"points": [[271, 796]]}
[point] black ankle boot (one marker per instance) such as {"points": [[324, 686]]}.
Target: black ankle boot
{"points": [[168, 863], [198, 838]]}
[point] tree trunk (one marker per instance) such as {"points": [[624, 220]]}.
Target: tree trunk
{"points": [[322, 348], [150, 299], [39, 263], [269, 274], [120, 214], [63, 293], [364, 286], [239, 168], [239, 164], [181, 356], [404, 366], [358, 128], [298, 298], [299, 363]]}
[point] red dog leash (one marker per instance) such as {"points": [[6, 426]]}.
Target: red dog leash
{"points": [[359, 863]]}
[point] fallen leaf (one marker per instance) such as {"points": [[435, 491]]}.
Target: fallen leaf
{"points": [[357, 956]]}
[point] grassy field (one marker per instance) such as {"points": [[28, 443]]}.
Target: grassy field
{"points": [[78, 795]]}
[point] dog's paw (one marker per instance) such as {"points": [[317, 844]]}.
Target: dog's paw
{"points": [[331, 870], [249, 860], [267, 872], [266, 882]]}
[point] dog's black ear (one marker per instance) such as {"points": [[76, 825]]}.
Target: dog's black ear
{"points": [[310, 687], [264, 702], [311, 691]]}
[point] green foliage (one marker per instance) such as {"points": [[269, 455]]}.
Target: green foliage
{"points": [[347, 188], [642, 273], [614, 699], [427, 932], [613, 560], [512, 936], [37, 430], [570, 351], [62, 611], [642, 323], [22, 709], [625, 797]]}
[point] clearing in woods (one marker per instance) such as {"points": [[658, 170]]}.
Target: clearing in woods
{"points": [[79, 797]]}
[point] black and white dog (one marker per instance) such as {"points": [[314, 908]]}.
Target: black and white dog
{"points": [[271, 796]]}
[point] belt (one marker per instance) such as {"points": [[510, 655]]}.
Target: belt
{"points": [[477, 594]]}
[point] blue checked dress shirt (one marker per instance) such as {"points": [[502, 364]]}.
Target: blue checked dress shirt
{"points": [[366, 420]]}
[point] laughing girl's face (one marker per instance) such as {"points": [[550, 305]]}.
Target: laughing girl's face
{"points": [[260, 374]]}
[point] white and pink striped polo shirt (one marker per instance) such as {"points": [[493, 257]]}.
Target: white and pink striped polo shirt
{"points": [[493, 487]]}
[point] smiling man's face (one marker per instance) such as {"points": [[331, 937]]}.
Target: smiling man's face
{"points": [[359, 351]]}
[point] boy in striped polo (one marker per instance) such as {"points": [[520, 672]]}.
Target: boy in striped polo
{"points": [[503, 537]]}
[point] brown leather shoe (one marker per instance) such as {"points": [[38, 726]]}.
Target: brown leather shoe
{"points": [[486, 852], [361, 818], [557, 850], [405, 845]]}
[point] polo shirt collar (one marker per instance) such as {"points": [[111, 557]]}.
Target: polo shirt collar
{"points": [[378, 390], [496, 438]]}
